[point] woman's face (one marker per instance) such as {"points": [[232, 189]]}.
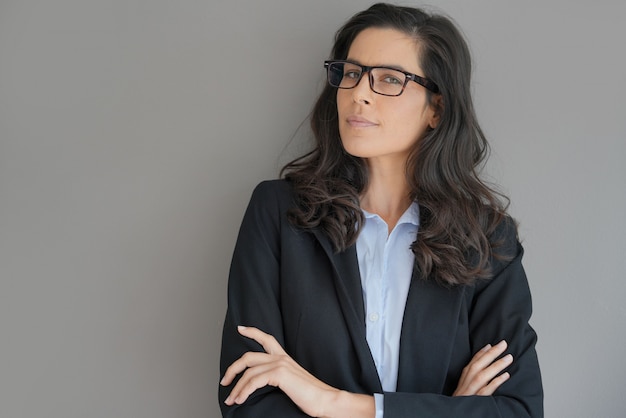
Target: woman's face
{"points": [[377, 127]]}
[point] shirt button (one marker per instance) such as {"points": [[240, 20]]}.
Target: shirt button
{"points": [[374, 317]]}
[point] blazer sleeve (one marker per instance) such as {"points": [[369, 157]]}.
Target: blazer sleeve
{"points": [[254, 300], [499, 308]]}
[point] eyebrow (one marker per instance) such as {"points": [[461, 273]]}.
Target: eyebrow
{"points": [[393, 67]]}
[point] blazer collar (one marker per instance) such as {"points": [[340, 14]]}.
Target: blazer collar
{"points": [[350, 294]]}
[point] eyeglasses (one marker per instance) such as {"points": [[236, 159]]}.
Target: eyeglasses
{"points": [[383, 80]]}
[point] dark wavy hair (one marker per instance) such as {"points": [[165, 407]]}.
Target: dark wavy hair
{"points": [[458, 212]]}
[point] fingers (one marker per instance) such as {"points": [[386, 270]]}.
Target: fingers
{"points": [[274, 368], [487, 355], [267, 341], [251, 358], [482, 376], [281, 371], [486, 377], [494, 384], [256, 377]]}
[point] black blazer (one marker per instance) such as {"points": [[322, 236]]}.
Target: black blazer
{"points": [[290, 283]]}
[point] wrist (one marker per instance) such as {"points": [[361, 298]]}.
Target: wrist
{"points": [[353, 405]]}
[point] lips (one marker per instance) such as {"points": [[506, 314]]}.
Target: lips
{"points": [[360, 122]]}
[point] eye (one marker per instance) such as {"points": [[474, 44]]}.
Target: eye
{"points": [[353, 74], [391, 79]]}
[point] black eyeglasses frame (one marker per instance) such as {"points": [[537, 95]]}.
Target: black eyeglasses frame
{"points": [[424, 82]]}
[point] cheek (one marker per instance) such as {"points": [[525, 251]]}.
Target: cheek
{"points": [[417, 118], [342, 100], [410, 127]]}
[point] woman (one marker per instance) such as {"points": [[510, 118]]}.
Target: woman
{"points": [[381, 277]]}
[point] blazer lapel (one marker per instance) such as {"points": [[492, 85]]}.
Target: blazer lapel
{"points": [[430, 320], [350, 294]]}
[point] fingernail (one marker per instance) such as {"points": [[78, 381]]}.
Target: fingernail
{"points": [[501, 343], [508, 358], [227, 401], [240, 328], [222, 381], [487, 347]]}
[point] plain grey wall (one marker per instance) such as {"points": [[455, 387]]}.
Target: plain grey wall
{"points": [[131, 136]]}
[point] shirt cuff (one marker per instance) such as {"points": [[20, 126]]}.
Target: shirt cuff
{"points": [[379, 401]]}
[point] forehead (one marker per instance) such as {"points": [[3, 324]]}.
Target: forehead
{"points": [[382, 46]]}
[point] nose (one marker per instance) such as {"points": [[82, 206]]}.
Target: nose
{"points": [[362, 92]]}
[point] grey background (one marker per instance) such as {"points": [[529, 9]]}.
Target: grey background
{"points": [[132, 133]]}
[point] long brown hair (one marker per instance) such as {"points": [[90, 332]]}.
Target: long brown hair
{"points": [[458, 211]]}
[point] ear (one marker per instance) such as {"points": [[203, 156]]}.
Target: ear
{"points": [[436, 103]]}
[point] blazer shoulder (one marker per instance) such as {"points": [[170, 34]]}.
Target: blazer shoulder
{"points": [[277, 189], [268, 205], [505, 245], [505, 237]]}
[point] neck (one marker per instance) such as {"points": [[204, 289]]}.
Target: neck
{"points": [[387, 193]]}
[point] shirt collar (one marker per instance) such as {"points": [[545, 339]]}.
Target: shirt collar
{"points": [[410, 216]]}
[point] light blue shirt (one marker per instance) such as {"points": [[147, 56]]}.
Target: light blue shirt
{"points": [[386, 266]]}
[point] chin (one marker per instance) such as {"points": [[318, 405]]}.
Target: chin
{"points": [[356, 150]]}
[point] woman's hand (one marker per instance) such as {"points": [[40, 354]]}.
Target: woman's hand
{"points": [[482, 374], [275, 368]]}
